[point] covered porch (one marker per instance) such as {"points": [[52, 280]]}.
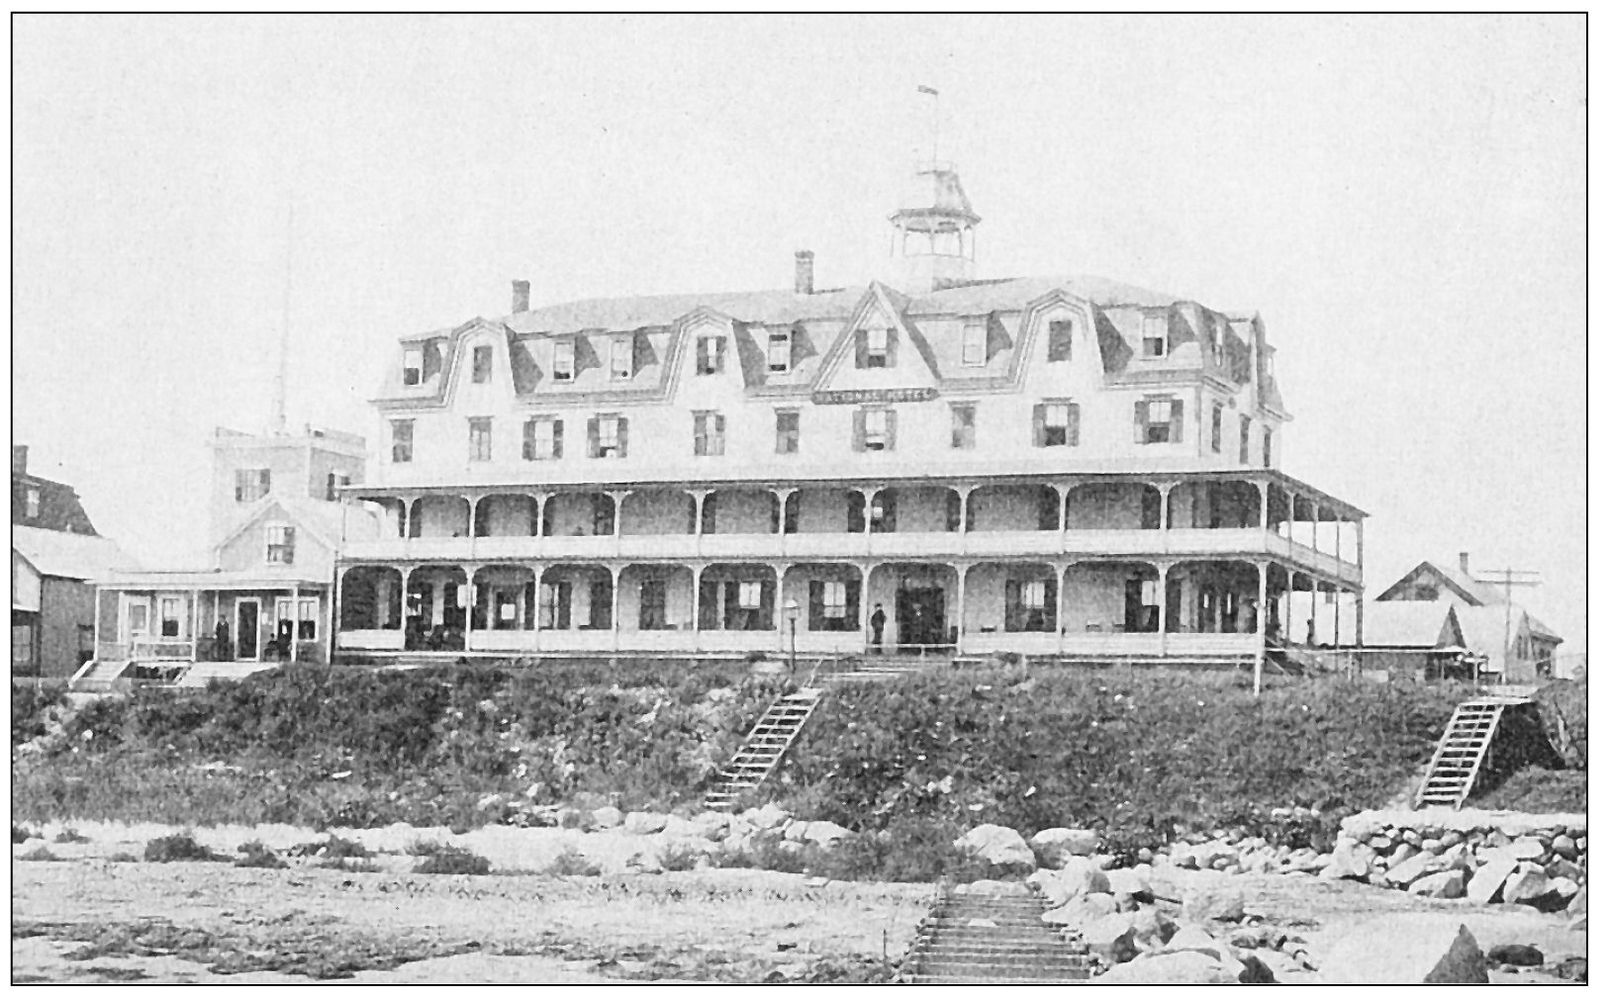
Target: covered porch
{"points": [[211, 617]]}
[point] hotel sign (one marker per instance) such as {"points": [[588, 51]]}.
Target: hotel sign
{"points": [[865, 396]]}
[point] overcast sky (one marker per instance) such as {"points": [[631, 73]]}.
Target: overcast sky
{"points": [[1402, 199]]}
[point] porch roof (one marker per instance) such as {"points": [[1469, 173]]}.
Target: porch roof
{"points": [[211, 580], [891, 476]]}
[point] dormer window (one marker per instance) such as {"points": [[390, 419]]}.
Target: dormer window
{"points": [[875, 353], [32, 502], [1155, 341], [711, 354], [413, 365], [564, 360], [482, 365], [1060, 345], [779, 351], [972, 344], [251, 484], [1217, 343], [620, 368]]}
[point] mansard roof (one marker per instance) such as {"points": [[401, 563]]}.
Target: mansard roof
{"points": [[818, 321]]}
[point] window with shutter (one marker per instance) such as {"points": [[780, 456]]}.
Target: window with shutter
{"points": [[251, 484], [401, 441], [1159, 420], [564, 360], [1245, 440], [1268, 448], [544, 439], [711, 354], [963, 428], [874, 348], [481, 365], [787, 431]]}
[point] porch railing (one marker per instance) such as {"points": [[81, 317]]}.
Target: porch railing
{"points": [[144, 650]]}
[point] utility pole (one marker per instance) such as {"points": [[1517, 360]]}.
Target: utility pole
{"points": [[1508, 578]]}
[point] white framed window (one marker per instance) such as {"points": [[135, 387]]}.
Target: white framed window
{"points": [[972, 344], [480, 438], [251, 484], [877, 435], [564, 360], [481, 365], [748, 595], [170, 616], [1033, 594], [31, 501], [779, 351], [413, 365], [709, 434], [607, 435], [281, 544], [544, 439], [711, 353], [963, 425], [620, 366], [1159, 420], [787, 431], [834, 600], [1059, 345], [1056, 424], [876, 347], [401, 441], [139, 618], [307, 621], [1155, 340]]}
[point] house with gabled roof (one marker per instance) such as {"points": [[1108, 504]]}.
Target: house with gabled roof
{"points": [[1061, 467], [262, 595]]}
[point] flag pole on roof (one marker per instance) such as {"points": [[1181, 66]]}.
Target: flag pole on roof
{"points": [[925, 89]]}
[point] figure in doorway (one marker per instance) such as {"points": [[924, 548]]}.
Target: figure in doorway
{"points": [[220, 641], [878, 619]]}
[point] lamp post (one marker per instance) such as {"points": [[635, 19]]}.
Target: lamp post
{"points": [[791, 608]]}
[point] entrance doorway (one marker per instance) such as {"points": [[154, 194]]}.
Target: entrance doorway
{"points": [[919, 617], [246, 611]]}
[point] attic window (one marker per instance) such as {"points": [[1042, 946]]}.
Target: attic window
{"points": [[779, 351], [251, 484], [1060, 347], [333, 483], [281, 544], [1155, 342], [482, 365], [413, 365], [972, 344], [33, 503], [1217, 344], [711, 354], [564, 360], [876, 354], [620, 358]]}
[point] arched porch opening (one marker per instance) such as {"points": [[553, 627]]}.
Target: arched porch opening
{"points": [[737, 596], [657, 511], [371, 598], [1012, 597], [1115, 505], [828, 510], [656, 598], [919, 602], [1213, 505], [505, 598], [828, 595], [575, 597], [579, 514], [438, 597], [439, 516], [507, 515], [915, 509], [1213, 597], [1014, 507], [1112, 597], [740, 511]]}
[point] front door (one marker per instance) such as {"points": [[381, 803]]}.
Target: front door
{"points": [[919, 616], [246, 611], [136, 619]]}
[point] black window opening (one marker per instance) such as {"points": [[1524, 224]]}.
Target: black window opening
{"points": [[1060, 342], [963, 426], [787, 431], [401, 441], [481, 365]]}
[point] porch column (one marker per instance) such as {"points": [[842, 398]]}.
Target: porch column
{"points": [[1061, 506], [216, 600], [1166, 490], [1290, 507], [1262, 629], [866, 604], [195, 625], [295, 618], [1162, 568], [1357, 608], [1262, 505], [541, 512], [407, 516], [866, 509], [1315, 511], [961, 570], [1312, 607], [619, 499], [1290, 597], [1335, 640], [782, 510], [614, 590], [698, 588], [1062, 569], [965, 492]]}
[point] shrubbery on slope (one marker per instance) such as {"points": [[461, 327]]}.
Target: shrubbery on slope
{"points": [[1143, 758]]}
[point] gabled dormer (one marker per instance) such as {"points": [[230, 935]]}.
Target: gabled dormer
{"points": [[878, 348]]}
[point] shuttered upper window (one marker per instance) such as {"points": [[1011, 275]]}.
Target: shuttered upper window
{"points": [[606, 436], [874, 429], [544, 439], [1159, 420], [1060, 345], [251, 484], [875, 347], [1056, 424], [709, 434]]}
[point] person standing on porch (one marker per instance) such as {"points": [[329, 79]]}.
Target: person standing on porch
{"points": [[878, 619], [220, 641]]}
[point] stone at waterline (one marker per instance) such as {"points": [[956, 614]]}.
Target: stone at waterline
{"points": [[1564, 846], [1578, 904], [1215, 905], [1111, 937], [1528, 847], [768, 816], [1053, 846], [713, 825], [998, 845], [1172, 968], [1079, 877], [1420, 948], [1348, 860], [1515, 955], [1446, 884], [1564, 887], [1193, 938], [1490, 876], [645, 823], [1408, 870], [1527, 883], [1254, 970], [607, 817]]}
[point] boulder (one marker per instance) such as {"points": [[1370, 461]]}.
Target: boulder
{"points": [[1172, 968], [1253, 970], [998, 845], [607, 817], [1490, 876], [1578, 904], [1193, 938], [1515, 955], [1565, 868], [571, 817], [1527, 883], [1564, 847], [1408, 870], [1563, 887], [1152, 928], [1348, 861], [825, 833], [1215, 905], [1133, 881], [1418, 948], [1446, 884], [1528, 847], [990, 888], [769, 816], [645, 823], [713, 825], [1079, 877], [794, 831], [1111, 937], [1053, 846]]}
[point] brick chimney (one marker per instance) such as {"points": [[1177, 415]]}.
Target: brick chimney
{"points": [[1463, 562], [19, 460], [804, 273], [522, 296]]}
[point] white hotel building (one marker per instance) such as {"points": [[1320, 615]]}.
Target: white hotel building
{"points": [[1067, 468]]}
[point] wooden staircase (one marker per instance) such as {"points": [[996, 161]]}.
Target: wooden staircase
{"points": [[992, 939], [1463, 746], [98, 675], [764, 747]]}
